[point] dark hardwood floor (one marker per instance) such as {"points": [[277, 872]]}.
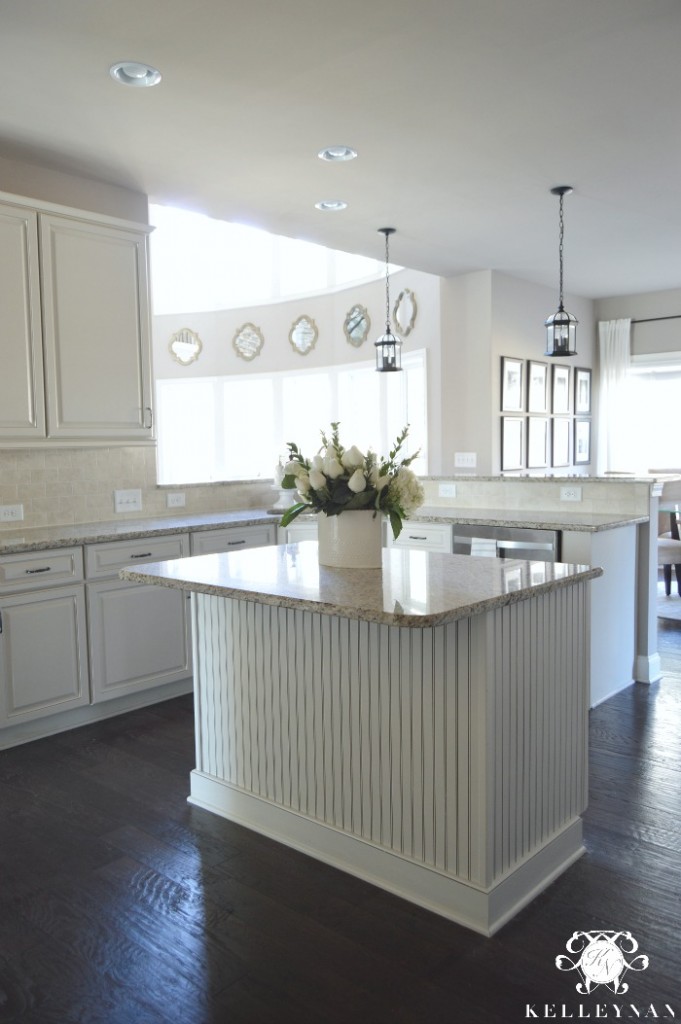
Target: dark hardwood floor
{"points": [[121, 904]]}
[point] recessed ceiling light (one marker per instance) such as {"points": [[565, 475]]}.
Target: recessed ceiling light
{"points": [[331, 204], [337, 153], [132, 72]]}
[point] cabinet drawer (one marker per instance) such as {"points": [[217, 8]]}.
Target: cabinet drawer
{"points": [[106, 559], [424, 536], [40, 569], [210, 542]]}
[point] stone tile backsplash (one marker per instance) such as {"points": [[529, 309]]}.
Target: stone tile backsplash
{"points": [[75, 485]]}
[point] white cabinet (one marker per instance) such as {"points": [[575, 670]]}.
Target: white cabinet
{"points": [[299, 530], [75, 328], [138, 635], [96, 325], [22, 409], [423, 536], [208, 542], [43, 646]]}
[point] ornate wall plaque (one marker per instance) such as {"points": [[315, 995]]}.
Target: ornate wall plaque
{"points": [[404, 312], [248, 341], [303, 334], [357, 325], [185, 346]]}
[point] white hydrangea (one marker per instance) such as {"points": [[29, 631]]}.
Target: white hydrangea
{"points": [[406, 491]]}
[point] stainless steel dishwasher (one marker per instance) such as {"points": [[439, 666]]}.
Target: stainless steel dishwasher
{"points": [[507, 542]]}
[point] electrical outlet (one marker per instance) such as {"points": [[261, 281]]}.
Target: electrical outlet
{"points": [[175, 500], [11, 513], [465, 460], [571, 493], [447, 490], [128, 501]]}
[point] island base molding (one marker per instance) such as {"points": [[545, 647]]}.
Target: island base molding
{"points": [[447, 764], [482, 911]]}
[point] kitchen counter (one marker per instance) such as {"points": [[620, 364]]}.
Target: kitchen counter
{"points": [[422, 725], [40, 538], [413, 588], [14, 541]]}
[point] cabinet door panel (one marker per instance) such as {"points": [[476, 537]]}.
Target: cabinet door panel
{"points": [[96, 330], [22, 406], [43, 654], [138, 637]]}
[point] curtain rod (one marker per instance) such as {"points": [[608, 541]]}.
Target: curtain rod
{"points": [[650, 319]]}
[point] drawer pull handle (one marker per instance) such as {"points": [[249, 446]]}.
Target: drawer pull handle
{"points": [[32, 572], [143, 554], [412, 536], [232, 543]]}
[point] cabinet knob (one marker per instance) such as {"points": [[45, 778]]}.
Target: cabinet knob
{"points": [[148, 417]]}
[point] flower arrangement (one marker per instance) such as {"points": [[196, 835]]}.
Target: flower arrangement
{"points": [[340, 479]]}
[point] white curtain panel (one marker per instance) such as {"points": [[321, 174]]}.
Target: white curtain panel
{"points": [[614, 416]]}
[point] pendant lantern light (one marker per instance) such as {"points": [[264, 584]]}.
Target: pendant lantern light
{"points": [[561, 328], [388, 347]]}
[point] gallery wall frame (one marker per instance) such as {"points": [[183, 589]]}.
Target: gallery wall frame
{"points": [[582, 441], [560, 390], [512, 384], [537, 387], [512, 443], [537, 442], [560, 442], [582, 391]]}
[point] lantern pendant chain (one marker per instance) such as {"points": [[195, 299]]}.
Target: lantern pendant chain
{"points": [[560, 250]]}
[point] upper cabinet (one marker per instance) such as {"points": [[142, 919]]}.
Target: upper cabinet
{"points": [[22, 407], [83, 375]]}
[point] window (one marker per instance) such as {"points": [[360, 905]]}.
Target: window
{"points": [[198, 263], [655, 393], [236, 428]]}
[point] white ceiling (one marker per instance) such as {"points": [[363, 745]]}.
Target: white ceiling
{"points": [[464, 114]]}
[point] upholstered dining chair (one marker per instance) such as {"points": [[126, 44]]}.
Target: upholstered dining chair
{"points": [[668, 555]]}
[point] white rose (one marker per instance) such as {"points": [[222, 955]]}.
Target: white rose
{"points": [[317, 480], [293, 468], [317, 462], [303, 483], [352, 458], [332, 468], [378, 481], [357, 481]]}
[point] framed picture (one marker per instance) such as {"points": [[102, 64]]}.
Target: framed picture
{"points": [[582, 392], [560, 390], [582, 441], [512, 384], [537, 387], [560, 442], [512, 442], [537, 442]]}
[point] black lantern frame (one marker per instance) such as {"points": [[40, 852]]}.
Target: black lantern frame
{"points": [[561, 327], [388, 347]]}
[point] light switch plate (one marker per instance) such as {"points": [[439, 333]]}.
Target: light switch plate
{"points": [[465, 460], [11, 513], [175, 500], [447, 490], [128, 501], [571, 493]]}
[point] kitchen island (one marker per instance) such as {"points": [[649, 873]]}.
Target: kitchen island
{"points": [[423, 725]]}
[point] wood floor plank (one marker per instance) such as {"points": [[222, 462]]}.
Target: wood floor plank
{"points": [[122, 904]]}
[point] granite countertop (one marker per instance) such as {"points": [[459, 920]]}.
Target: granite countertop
{"points": [[38, 539], [414, 588], [581, 522]]}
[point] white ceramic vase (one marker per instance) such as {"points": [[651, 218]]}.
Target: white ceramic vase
{"points": [[352, 540]]}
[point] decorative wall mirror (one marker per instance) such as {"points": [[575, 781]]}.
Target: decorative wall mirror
{"points": [[357, 325], [248, 341], [303, 334], [185, 346], [404, 313]]}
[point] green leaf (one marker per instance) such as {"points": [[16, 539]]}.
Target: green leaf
{"points": [[292, 513], [396, 524], [288, 481]]}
